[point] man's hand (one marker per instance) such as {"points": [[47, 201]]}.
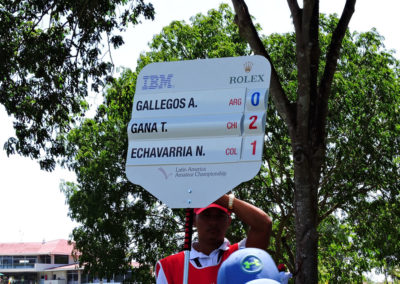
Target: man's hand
{"points": [[260, 224]]}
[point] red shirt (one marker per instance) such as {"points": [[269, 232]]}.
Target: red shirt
{"points": [[173, 268]]}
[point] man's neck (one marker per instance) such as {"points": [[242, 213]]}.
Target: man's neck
{"points": [[207, 248]]}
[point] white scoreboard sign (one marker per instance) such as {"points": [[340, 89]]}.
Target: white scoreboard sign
{"points": [[197, 128]]}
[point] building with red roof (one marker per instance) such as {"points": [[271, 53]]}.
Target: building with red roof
{"points": [[39, 263], [45, 263]]}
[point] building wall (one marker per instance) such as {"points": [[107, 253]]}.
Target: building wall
{"points": [[54, 275], [71, 260]]}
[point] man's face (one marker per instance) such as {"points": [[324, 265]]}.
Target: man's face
{"points": [[211, 225]]}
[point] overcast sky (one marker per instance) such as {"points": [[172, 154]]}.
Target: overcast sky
{"points": [[32, 207]]}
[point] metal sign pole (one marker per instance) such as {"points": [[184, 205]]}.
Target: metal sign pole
{"points": [[188, 243]]}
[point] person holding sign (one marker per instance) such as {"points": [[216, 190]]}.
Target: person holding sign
{"points": [[212, 248]]}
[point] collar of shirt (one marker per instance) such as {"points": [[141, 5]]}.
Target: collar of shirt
{"points": [[194, 253]]}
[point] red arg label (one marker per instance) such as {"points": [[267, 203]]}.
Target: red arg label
{"points": [[235, 102]]}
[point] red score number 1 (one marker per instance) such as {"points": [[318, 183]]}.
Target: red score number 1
{"points": [[254, 143]]}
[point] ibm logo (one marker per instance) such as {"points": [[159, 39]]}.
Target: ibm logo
{"points": [[161, 81]]}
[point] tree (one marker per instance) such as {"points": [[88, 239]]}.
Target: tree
{"points": [[359, 169], [48, 52], [305, 116], [377, 234], [361, 161]]}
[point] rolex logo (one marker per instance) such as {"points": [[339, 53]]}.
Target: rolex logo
{"points": [[247, 66]]}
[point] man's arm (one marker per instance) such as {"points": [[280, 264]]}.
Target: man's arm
{"points": [[260, 224]]}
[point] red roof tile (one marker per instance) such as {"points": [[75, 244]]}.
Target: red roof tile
{"points": [[51, 247]]}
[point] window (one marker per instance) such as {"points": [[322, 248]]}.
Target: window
{"points": [[45, 259], [7, 262], [30, 261], [60, 259], [72, 277], [23, 261], [18, 261]]}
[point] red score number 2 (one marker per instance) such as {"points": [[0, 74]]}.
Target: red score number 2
{"points": [[253, 119]]}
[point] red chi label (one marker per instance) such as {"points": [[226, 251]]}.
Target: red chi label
{"points": [[231, 125]]}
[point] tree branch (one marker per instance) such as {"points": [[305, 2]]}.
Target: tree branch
{"points": [[331, 61], [249, 33], [307, 53], [291, 264], [296, 13], [328, 212], [361, 190]]}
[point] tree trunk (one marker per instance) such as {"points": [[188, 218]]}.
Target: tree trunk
{"points": [[305, 119], [306, 213]]}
